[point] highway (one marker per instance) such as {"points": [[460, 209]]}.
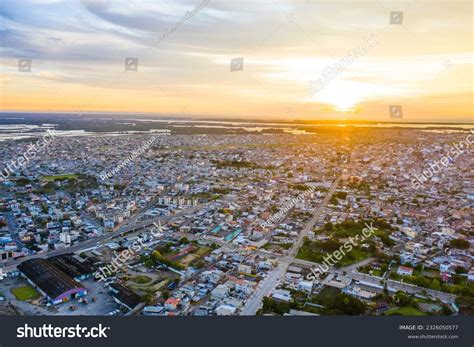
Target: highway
{"points": [[9, 265]]}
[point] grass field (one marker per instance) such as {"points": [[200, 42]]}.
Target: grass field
{"points": [[404, 311], [59, 177], [25, 293], [203, 251], [326, 293], [315, 251], [141, 279]]}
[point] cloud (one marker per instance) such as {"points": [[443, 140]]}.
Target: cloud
{"points": [[78, 45]]}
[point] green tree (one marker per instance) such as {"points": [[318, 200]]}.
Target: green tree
{"points": [[459, 243]]}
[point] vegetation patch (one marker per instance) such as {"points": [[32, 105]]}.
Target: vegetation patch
{"points": [[61, 177], [318, 252], [338, 303], [25, 293], [141, 279], [404, 311]]}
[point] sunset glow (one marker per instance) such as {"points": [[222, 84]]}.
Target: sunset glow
{"points": [[78, 59]]}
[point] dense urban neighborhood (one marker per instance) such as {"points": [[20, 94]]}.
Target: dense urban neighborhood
{"points": [[324, 221]]}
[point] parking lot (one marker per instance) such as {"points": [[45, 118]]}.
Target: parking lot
{"points": [[103, 304]]}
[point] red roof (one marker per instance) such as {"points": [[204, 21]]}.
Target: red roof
{"points": [[172, 301]]}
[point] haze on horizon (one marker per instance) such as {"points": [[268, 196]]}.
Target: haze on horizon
{"points": [[78, 49]]}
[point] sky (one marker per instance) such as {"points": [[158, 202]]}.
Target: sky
{"points": [[421, 62]]}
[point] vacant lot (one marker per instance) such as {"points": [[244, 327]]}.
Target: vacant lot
{"points": [[141, 279], [59, 177], [404, 311]]}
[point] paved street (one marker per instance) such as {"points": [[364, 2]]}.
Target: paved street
{"points": [[277, 274], [317, 214], [255, 301], [13, 228], [9, 265], [269, 283]]}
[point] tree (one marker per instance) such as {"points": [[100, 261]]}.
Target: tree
{"points": [[199, 264], [385, 290], [165, 294], [460, 270], [466, 304], [403, 300], [148, 298], [328, 226], [435, 284], [149, 263], [349, 305], [274, 306], [184, 240], [459, 243]]}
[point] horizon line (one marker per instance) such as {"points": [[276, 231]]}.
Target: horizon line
{"points": [[243, 119]]}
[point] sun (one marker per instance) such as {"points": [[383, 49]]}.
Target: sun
{"points": [[342, 96], [345, 105]]}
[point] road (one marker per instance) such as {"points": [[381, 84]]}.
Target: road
{"points": [[152, 202], [128, 226], [318, 213], [411, 289], [13, 228], [276, 274], [352, 267], [393, 285], [265, 287], [6, 266], [86, 216]]}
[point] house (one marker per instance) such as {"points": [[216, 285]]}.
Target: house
{"points": [[306, 286], [245, 269], [338, 281], [152, 310], [281, 295], [405, 271], [446, 267], [171, 304], [445, 277], [359, 292], [220, 292], [225, 310], [124, 296]]}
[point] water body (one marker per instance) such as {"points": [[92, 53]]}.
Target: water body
{"points": [[21, 130]]}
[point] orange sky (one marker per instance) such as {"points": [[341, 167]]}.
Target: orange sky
{"points": [[78, 51]]}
